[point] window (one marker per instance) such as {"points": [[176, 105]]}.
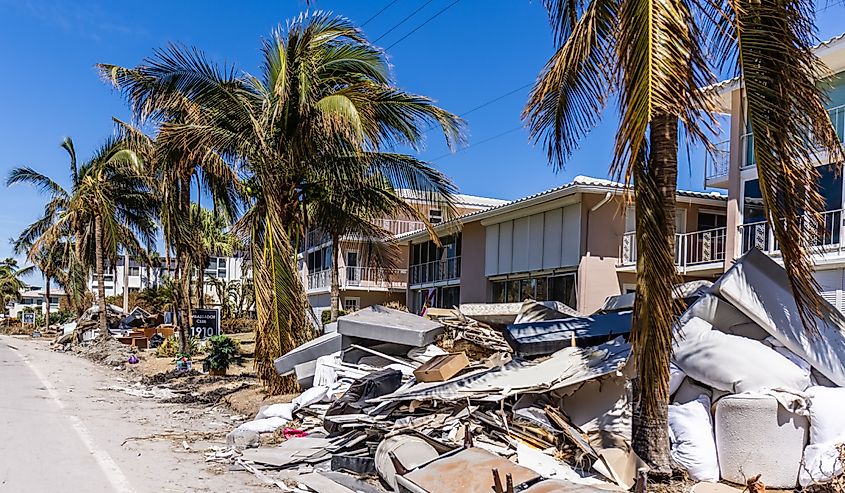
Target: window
{"points": [[135, 271], [435, 216], [351, 304], [54, 300], [709, 220], [353, 274]]}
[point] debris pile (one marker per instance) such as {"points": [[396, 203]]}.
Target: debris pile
{"points": [[537, 397]]}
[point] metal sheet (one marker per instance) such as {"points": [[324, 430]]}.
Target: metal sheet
{"points": [[468, 471]]}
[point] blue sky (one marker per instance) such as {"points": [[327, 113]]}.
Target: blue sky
{"points": [[473, 52]]}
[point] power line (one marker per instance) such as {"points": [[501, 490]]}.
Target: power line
{"points": [[402, 21], [378, 13], [486, 103], [444, 9], [488, 139]]}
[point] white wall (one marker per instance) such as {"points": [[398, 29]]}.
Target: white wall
{"points": [[546, 240]]}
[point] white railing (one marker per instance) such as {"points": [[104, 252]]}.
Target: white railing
{"points": [[717, 163], [359, 278], [827, 232], [837, 118], [400, 226], [691, 249], [447, 269]]}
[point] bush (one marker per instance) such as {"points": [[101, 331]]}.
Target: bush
{"points": [[326, 316], [170, 347], [222, 350], [238, 325]]}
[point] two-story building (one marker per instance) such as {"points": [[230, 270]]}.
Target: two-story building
{"points": [[362, 285], [732, 168], [134, 275], [574, 244], [34, 297]]}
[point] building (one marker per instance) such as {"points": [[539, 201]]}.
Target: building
{"points": [[732, 168], [141, 276], [574, 244], [34, 298], [360, 284]]}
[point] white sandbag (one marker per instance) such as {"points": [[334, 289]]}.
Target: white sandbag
{"points": [[310, 396], [755, 435], [284, 411], [692, 444], [690, 391], [821, 463], [826, 405], [265, 425], [733, 363], [786, 353]]}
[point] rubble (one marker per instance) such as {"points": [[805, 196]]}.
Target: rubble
{"points": [[538, 398]]}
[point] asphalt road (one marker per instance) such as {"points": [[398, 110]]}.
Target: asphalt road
{"points": [[61, 430]]}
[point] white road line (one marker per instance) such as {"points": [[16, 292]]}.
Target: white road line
{"points": [[109, 467]]}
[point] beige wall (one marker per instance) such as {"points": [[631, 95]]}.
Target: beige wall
{"points": [[474, 284], [602, 229]]}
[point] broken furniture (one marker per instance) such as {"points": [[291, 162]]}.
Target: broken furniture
{"points": [[546, 337]]}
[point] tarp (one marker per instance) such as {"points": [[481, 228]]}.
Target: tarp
{"points": [[759, 287], [566, 367], [546, 337]]}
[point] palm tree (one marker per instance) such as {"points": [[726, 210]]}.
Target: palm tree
{"points": [[211, 239], [11, 283], [71, 253], [323, 93], [107, 208], [651, 58]]}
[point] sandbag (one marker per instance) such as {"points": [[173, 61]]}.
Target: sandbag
{"points": [[821, 463], [284, 411], [265, 425], [756, 435], [733, 363], [826, 405], [692, 439]]}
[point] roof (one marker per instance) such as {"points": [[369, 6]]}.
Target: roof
{"points": [[459, 199], [40, 293], [831, 52], [578, 184]]}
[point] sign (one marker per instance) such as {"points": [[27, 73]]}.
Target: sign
{"points": [[205, 323], [28, 318]]}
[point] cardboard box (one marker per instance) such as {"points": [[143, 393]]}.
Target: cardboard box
{"points": [[441, 368]]}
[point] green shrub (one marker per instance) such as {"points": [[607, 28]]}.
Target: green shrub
{"points": [[170, 347], [326, 316], [222, 350]]}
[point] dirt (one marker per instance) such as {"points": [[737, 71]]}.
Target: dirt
{"points": [[249, 401]]}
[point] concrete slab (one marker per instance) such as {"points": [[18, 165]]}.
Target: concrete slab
{"points": [[388, 325], [310, 351]]}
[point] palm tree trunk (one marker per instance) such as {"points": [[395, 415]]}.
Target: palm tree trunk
{"points": [[47, 295], [101, 283], [335, 295], [182, 304], [655, 309]]}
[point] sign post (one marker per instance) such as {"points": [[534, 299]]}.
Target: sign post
{"points": [[205, 323]]}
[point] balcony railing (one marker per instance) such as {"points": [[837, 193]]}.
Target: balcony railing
{"points": [[716, 165], [447, 269], [691, 249], [359, 278], [837, 118], [827, 232], [317, 237]]}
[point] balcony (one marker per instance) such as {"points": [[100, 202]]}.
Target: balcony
{"points": [[695, 251], [317, 237], [828, 233], [716, 165], [361, 278], [436, 271], [837, 117]]}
